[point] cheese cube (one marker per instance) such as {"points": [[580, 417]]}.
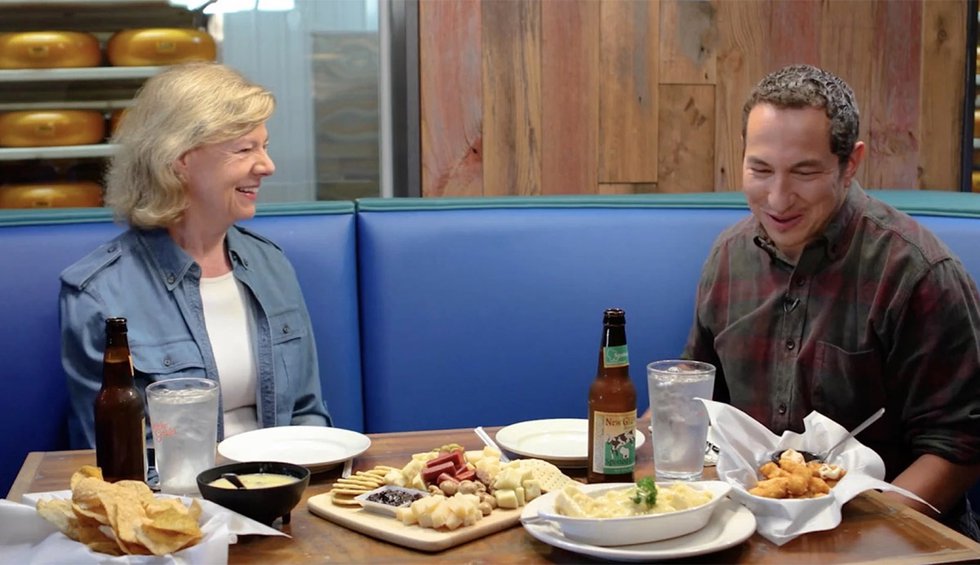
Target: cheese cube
{"points": [[508, 479], [439, 516], [453, 521], [506, 498], [532, 489]]}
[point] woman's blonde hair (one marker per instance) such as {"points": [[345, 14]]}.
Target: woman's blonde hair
{"points": [[180, 109]]}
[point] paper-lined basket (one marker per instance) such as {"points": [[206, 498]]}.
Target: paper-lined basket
{"points": [[745, 444]]}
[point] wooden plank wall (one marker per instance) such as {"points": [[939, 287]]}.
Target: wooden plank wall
{"points": [[526, 97]]}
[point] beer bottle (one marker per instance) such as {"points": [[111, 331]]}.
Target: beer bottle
{"points": [[120, 436], [612, 407]]}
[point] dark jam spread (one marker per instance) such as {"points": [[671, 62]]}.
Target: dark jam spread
{"points": [[395, 497]]}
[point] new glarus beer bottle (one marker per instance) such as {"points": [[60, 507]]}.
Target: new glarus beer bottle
{"points": [[120, 440], [612, 407]]}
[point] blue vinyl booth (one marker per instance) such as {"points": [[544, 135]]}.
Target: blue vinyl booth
{"points": [[488, 311], [432, 313]]}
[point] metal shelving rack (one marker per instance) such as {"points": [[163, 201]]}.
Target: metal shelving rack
{"points": [[970, 171], [103, 88]]}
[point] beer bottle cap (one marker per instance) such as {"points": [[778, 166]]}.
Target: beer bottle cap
{"points": [[614, 316]]}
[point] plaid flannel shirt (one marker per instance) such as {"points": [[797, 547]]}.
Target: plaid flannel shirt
{"points": [[876, 312]]}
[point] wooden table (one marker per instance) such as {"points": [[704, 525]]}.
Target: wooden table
{"points": [[873, 529]]}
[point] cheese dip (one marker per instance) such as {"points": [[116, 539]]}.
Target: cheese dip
{"points": [[618, 503]]}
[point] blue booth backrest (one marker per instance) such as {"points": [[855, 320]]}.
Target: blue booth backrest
{"points": [[319, 242], [488, 312]]}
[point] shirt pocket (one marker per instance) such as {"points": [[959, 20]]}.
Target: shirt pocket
{"points": [[289, 337], [158, 361], [846, 386]]}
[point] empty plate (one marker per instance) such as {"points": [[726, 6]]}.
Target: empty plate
{"points": [[562, 441], [317, 448]]}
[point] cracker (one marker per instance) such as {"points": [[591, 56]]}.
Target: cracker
{"points": [[358, 481], [547, 474], [353, 491], [344, 501]]}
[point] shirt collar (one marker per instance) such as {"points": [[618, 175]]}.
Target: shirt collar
{"points": [[173, 263], [840, 230], [237, 249]]}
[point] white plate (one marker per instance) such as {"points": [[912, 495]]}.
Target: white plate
{"points": [[317, 448], [562, 441], [730, 525], [630, 530]]}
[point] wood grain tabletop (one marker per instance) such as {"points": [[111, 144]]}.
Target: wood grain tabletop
{"points": [[874, 528]]}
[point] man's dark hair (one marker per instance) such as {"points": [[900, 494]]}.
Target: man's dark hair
{"points": [[806, 86]]}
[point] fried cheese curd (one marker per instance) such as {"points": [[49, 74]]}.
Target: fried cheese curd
{"points": [[793, 477]]}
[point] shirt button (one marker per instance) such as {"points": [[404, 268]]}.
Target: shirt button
{"points": [[801, 281], [285, 329], [790, 344], [112, 249], [171, 278], [168, 362], [782, 409]]}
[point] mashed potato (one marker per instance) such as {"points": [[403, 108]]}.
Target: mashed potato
{"points": [[618, 503]]}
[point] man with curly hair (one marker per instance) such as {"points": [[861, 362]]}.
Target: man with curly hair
{"points": [[827, 299]]}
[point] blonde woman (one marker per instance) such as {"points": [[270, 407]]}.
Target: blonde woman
{"points": [[201, 294]]}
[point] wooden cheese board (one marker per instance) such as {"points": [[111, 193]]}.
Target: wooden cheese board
{"points": [[415, 537]]}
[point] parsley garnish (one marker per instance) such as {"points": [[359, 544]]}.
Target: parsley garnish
{"points": [[646, 492]]}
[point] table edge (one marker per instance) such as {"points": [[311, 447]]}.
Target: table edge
{"points": [[28, 470]]}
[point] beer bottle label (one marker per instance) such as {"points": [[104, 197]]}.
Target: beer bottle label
{"points": [[614, 443], [615, 356]]}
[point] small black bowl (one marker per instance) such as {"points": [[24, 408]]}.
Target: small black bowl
{"points": [[260, 504]]}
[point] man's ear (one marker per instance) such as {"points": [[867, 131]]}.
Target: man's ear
{"points": [[850, 169]]}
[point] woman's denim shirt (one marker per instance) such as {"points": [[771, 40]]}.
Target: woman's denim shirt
{"points": [[145, 277]]}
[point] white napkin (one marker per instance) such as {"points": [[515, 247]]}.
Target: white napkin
{"points": [[745, 444], [28, 538]]}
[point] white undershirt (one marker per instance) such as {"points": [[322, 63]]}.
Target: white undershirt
{"points": [[230, 331]]}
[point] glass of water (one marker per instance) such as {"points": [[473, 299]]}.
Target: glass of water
{"points": [[184, 420], [679, 423]]}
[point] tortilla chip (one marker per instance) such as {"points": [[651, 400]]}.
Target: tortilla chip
{"points": [[123, 517], [59, 513], [138, 489], [94, 536], [86, 499], [86, 471]]}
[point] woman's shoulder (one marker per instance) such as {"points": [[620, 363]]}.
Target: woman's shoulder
{"points": [[102, 258]]}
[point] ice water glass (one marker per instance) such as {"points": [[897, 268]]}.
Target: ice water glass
{"points": [[679, 423], [184, 420]]}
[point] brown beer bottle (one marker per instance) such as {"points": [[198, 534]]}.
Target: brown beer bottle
{"points": [[612, 407], [120, 436]]}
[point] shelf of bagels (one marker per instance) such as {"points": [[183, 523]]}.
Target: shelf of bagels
{"points": [[975, 180], [52, 151]]}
